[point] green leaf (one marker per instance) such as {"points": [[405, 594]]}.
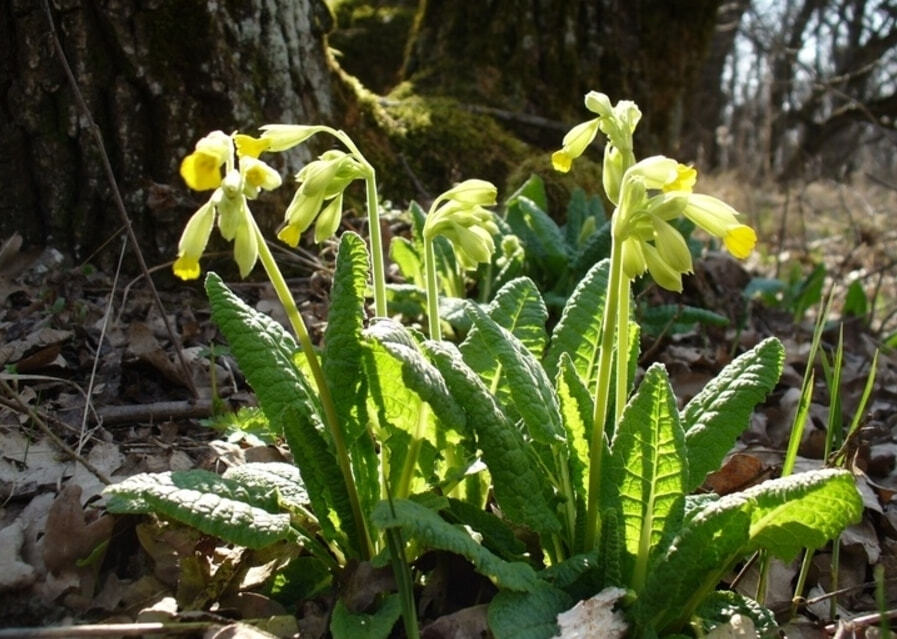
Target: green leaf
{"points": [[717, 415], [432, 531], [341, 361], [323, 479], [265, 352], [801, 511], [577, 214], [531, 394], [691, 566], [409, 261], [534, 189], [576, 410], [519, 482], [416, 373], [263, 349], [205, 501], [578, 332], [719, 607], [648, 461], [781, 515], [348, 625], [498, 536], [855, 302], [518, 307], [546, 249], [528, 615], [278, 478], [595, 249]]}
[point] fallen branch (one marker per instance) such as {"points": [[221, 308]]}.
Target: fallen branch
{"points": [[156, 412], [108, 630]]}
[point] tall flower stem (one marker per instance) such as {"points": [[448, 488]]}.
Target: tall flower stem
{"points": [[377, 268], [298, 324], [432, 290], [602, 391], [378, 271]]}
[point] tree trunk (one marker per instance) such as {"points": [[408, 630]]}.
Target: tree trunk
{"points": [[540, 57], [702, 141], [156, 77]]}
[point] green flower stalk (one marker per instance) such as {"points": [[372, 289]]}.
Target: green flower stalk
{"points": [[647, 195], [459, 216]]}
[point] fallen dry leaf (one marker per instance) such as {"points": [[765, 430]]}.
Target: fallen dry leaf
{"points": [[594, 617], [14, 573], [739, 627], [70, 534], [465, 623]]}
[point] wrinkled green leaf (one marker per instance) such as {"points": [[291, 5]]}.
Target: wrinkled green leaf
{"points": [[377, 625], [205, 501], [342, 362], [545, 245], [518, 307], [518, 480], [648, 461], [716, 416], [265, 352], [801, 511], [528, 615], [531, 394], [578, 332], [432, 531]]}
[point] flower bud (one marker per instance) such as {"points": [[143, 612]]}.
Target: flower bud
{"points": [[574, 144], [671, 246], [661, 272], [281, 137], [473, 192]]}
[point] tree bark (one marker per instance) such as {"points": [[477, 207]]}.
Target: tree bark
{"points": [[156, 77], [540, 57]]}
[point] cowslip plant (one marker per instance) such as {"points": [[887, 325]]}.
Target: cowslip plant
{"points": [[399, 436]]}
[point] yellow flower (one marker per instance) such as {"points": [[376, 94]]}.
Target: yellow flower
{"points": [[193, 242], [719, 219], [574, 144], [248, 146], [740, 240], [686, 177], [201, 169], [257, 175]]}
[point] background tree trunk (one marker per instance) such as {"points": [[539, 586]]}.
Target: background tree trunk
{"points": [[540, 57], [156, 77]]}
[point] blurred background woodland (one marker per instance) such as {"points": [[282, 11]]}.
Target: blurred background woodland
{"points": [[777, 93]]}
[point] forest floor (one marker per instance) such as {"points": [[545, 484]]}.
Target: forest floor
{"points": [[70, 333]]}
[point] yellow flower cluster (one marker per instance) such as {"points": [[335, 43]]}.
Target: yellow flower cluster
{"points": [[648, 195], [459, 215], [212, 165], [229, 164]]}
